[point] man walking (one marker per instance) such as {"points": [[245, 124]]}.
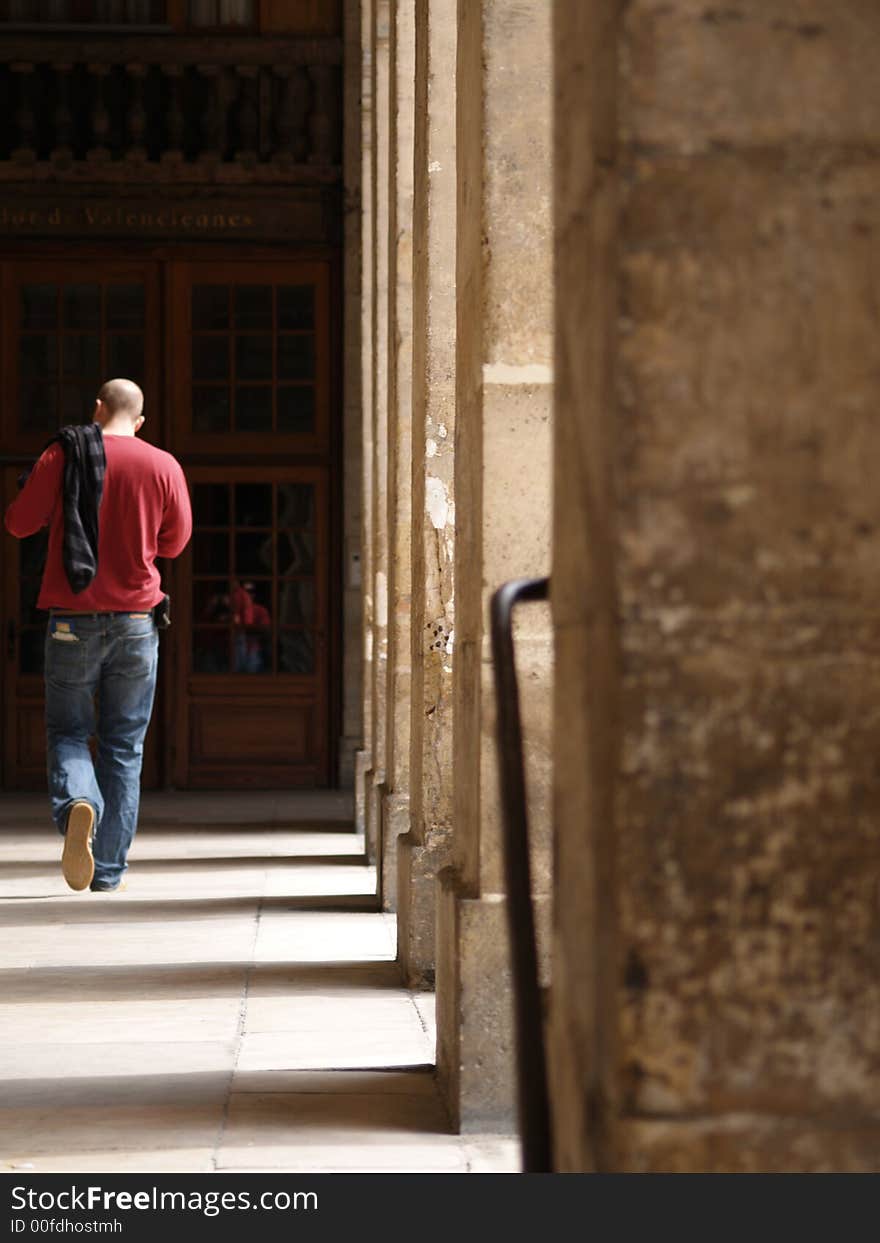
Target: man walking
{"points": [[130, 500]]}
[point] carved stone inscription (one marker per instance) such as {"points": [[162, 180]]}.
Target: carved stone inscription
{"points": [[298, 218]]}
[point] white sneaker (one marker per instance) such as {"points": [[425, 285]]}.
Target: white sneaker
{"points": [[77, 861]]}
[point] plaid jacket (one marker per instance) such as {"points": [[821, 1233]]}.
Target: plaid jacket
{"points": [[85, 465]]}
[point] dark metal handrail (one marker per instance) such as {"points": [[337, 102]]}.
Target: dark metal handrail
{"points": [[532, 1090]]}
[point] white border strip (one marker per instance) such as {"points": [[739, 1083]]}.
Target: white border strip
{"points": [[508, 373]]}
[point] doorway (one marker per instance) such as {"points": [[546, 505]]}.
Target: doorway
{"points": [[234, 354]]}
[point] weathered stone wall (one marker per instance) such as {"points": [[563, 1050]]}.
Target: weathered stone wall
{"points": [[738, 560]]}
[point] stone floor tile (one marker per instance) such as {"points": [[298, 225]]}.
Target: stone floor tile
{"points": [[321, 878], [493, 1154], [339, 1161], [80, 1022], [334, 1050], [236, 845], [310, 1012], [338, 1130], [88, 1088], [145, 944], [327, 936], [46, 1063], [114, 1161], [189, 982], [345, 1157], [124, 911], [45, 1130], [324, 979]]}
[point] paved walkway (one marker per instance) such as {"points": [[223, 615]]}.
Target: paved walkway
{"points": [[236, 1008]]}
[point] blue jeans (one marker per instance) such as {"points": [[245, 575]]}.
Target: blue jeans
{"points": [[114, 657]]}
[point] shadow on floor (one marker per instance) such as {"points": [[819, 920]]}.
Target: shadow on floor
{"points": [[89, 908], [39, 867], [174, 981], [189, 1110]]}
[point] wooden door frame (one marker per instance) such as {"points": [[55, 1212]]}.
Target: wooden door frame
{"points": [[9, 674], [163, 253], [181, 275]]}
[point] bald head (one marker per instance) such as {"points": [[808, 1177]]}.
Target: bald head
{"points": [[119, 408], [121, 397]]}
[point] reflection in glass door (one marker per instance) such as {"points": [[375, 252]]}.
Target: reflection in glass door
{"points": [[252, 699], [253, 583]]}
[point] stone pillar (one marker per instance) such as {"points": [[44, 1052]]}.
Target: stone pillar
{"points": [[375, 783], [580, 1040], [395, 811], [717, 587], [502, 512], [352, 698], [425, 849], [364, 758]]}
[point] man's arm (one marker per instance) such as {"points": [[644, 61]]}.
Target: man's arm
{"points": [[176, 525], [32, 508]]}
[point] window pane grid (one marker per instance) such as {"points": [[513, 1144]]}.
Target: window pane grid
{"points": [[256, 344], [72, 336], [31, 620]]}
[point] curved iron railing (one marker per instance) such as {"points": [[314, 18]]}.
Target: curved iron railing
{"points": [[532, 1091]]}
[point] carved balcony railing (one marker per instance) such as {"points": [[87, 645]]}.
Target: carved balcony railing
{"points": [[170, 108]]}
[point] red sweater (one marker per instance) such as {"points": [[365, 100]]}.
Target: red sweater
{"points": [[145, 513]]}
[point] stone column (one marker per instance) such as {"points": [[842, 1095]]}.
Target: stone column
{"points": [[502, 512], [425, 849], [375, 784], [715, 989], [395, 811], [580, 1040], [749, 382], [364, 758], [352, 720]]}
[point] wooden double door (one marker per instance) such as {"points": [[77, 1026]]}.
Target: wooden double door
{"points": [[235, 360]]}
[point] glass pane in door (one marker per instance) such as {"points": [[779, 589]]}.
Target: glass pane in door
{"points": [[126, 308], [31, 620], [72, 336], [255, 344], [39, 306]]}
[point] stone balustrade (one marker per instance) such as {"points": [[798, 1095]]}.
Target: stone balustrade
{"points": [[156, 104]]}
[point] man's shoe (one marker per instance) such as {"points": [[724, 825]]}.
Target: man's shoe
{"points": [[97, 887], [77, 862]]}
